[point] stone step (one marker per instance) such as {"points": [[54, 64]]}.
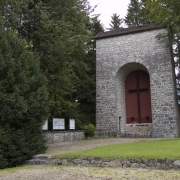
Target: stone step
{"points": [[42, 156], [36, 162], [39, 159]]}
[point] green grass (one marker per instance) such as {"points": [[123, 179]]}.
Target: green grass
{"points": [[145, 149]]}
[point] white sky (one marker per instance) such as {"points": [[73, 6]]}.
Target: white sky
{"points": [[107, 7]]}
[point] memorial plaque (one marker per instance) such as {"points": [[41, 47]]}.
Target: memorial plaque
{"points": [[45, 125], [58, 124], [72, 124]]}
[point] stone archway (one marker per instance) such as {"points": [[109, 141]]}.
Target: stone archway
{"points": [[120, 52]]}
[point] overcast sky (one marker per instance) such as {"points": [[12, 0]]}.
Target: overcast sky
{"points": [[107, 7]]}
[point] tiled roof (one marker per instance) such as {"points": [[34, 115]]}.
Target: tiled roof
{"points": [[125, 31]]}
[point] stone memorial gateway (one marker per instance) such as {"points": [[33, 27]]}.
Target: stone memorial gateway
{"points": [[135, 83]]}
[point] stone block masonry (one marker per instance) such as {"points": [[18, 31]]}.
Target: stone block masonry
{"points": [[54, 137], [118, 53], [106, 162]]}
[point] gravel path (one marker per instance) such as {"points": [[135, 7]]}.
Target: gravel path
{"points": [[88, 144], [87, 173]]}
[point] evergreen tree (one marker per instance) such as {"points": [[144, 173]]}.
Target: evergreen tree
{"points": [[136, 14], [167, 14], [116, 22], [65, 60], [86, 89], [23, 100], [58, 32]]}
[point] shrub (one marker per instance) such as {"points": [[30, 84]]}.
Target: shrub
{"points": [[23, 101], [89, 130]]}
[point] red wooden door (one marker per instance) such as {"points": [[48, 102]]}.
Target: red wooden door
{"points": [[137, 96]]}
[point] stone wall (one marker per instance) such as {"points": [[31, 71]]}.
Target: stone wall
{"points": [[108, 162], [54, 137], [118, 56]]}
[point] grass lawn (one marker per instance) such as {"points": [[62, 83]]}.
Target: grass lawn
{"points": [[145, 149]]}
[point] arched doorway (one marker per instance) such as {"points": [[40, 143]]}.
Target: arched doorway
{"points": [[137, 98]]}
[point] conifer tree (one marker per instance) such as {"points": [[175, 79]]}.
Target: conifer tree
{"points": [[136, 14], [86, 89], [23, 100], [58, 32], [116, 22], [166, 13], [65, 62]]}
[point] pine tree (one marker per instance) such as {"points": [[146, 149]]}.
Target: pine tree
{"points": [[136, 14], [116, 22], [23, 100]]}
